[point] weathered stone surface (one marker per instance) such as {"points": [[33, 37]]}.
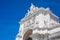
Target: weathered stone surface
{"points": [[39, 24]]}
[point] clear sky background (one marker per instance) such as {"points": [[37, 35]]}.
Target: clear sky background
{"points": [[12, 11]]}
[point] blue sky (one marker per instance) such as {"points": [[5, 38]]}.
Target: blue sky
{"points": [[12, 11]]}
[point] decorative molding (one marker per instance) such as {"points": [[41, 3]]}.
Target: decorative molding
{"points": [[36, 11], [44, 25]]}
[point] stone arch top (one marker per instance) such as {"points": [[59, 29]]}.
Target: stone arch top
{"points": [[27, 34]]}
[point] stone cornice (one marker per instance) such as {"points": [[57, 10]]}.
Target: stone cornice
{"points": [[54, 34], [53, 27], [32, 27]]}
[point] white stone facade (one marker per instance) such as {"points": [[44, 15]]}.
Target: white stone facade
{"points": [[39, 24]]}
